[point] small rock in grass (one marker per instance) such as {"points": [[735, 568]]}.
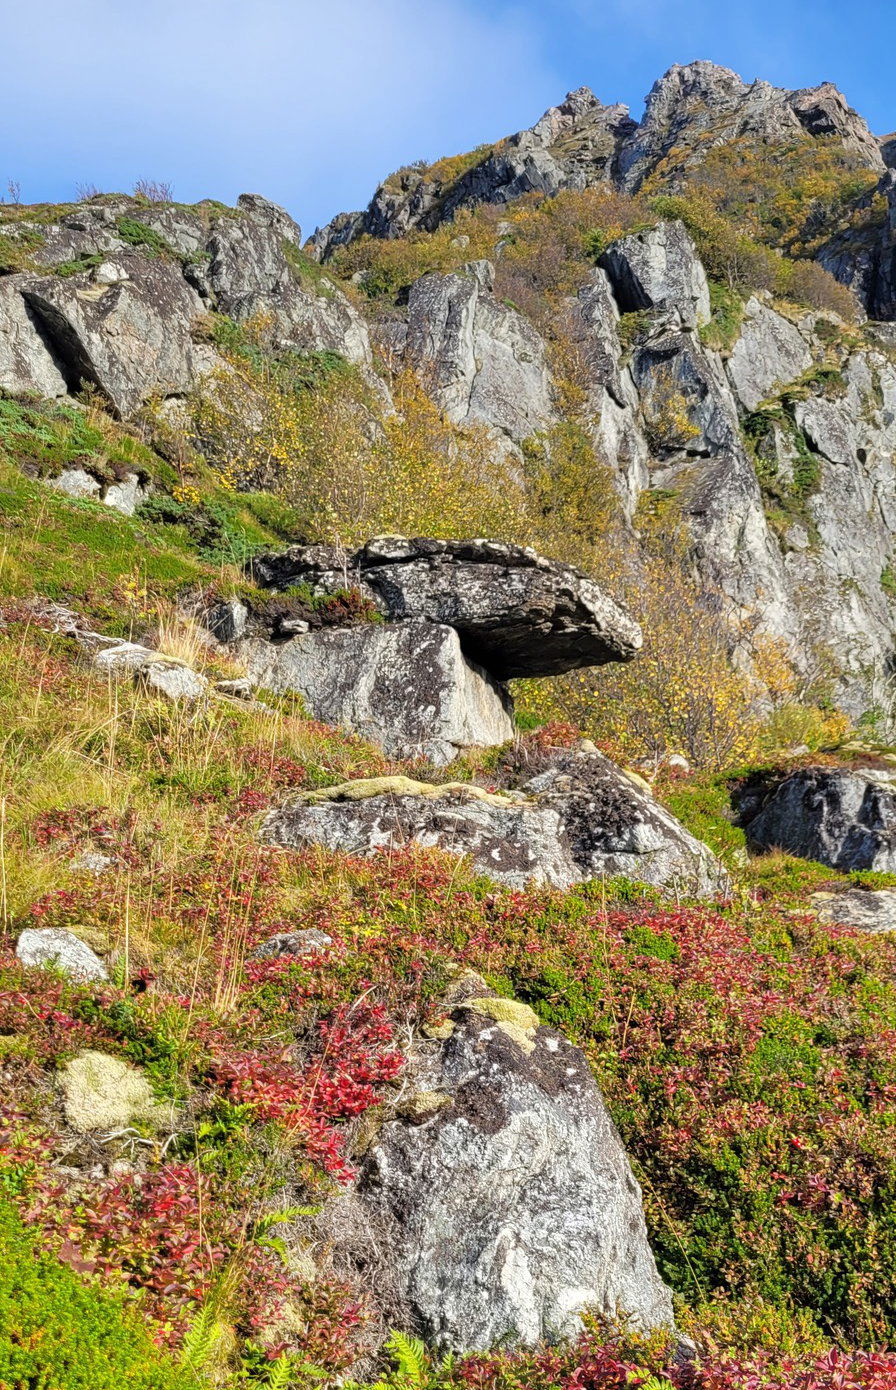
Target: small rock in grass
{"points": [[300, 943], [55, 948], [103, 1092], [173, 681]]}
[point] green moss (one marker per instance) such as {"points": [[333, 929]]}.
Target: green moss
{"points": [[16, 251], [308, 273], [723, 329], [74, 267], [136, 233], [60, 1333]]}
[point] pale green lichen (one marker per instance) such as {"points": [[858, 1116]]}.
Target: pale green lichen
{"points": [[506, 1011], [419, 1105], [103, 1092], [363, 788]]}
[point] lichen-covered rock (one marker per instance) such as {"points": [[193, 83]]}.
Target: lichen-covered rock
{"points": [[104, 1092], [129, 339], [866, 910], [505, 1196], [769, 352], [53, 948], [517, 613], [406, 686], [579, 818], [842, 817]]}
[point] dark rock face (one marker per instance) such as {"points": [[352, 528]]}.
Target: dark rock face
{"points": [[841, 818], [506, 1196], [516, 613], [579, 818]]}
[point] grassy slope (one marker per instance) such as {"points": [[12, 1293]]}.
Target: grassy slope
{"points": [[747, 1054]]}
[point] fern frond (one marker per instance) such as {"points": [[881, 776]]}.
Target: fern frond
{"points": [[410, 1357], [201, 1340]]}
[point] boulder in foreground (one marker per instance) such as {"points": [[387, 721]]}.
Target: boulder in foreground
{"points": [[842, 817], [503, 1190], [407, 687], [579, 818]]}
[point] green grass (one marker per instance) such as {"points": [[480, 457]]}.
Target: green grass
{"points": [[58, 1333]]}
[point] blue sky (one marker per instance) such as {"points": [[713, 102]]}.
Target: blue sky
{"points": [[311, 103]]}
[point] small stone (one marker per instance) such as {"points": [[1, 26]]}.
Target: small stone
{"points": [[173, 681], [91, 862], [103, 1092], [76, 482], [53, 948], [300, 943]]}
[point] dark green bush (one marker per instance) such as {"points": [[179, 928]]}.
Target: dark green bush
{"points": [[57, 1333]]}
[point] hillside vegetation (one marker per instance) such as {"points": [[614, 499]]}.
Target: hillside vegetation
{"points": [[746, 1050]]}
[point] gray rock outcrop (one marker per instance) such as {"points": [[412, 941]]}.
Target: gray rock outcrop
{"points": [[113, 292], [866, 910], [53, 948], [480, 360], [769, 353], [507, 1201], [659, 269], [577, 819], [842, 817], [406, 686], [517, 614]]}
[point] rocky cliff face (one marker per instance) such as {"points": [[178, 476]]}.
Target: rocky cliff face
{"points": [[112, 294]]}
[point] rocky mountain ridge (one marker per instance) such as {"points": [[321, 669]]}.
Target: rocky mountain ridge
{"points": [[583, 143]]}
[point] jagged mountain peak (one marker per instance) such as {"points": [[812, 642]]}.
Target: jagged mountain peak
{"points": [[581, 142]]}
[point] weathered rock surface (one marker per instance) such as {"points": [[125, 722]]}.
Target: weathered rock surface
{"points": [[841, 817], [130, 338], [27, 360], [769, 353], [406, 686], [57, 949], [125, 323], [482, 361], [517, 613], [659, 269], [867, 910], [505, 1193], [578, 819]]}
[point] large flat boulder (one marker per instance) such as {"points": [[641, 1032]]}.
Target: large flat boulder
{"points": [[866, 910], [406, 686], [517, 613], [842, 817], [579, 818], [504, 1194]]}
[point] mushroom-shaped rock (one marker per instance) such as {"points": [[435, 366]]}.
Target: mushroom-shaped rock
{"points": [[516, 613], [505, 1195], [53, 948]]}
